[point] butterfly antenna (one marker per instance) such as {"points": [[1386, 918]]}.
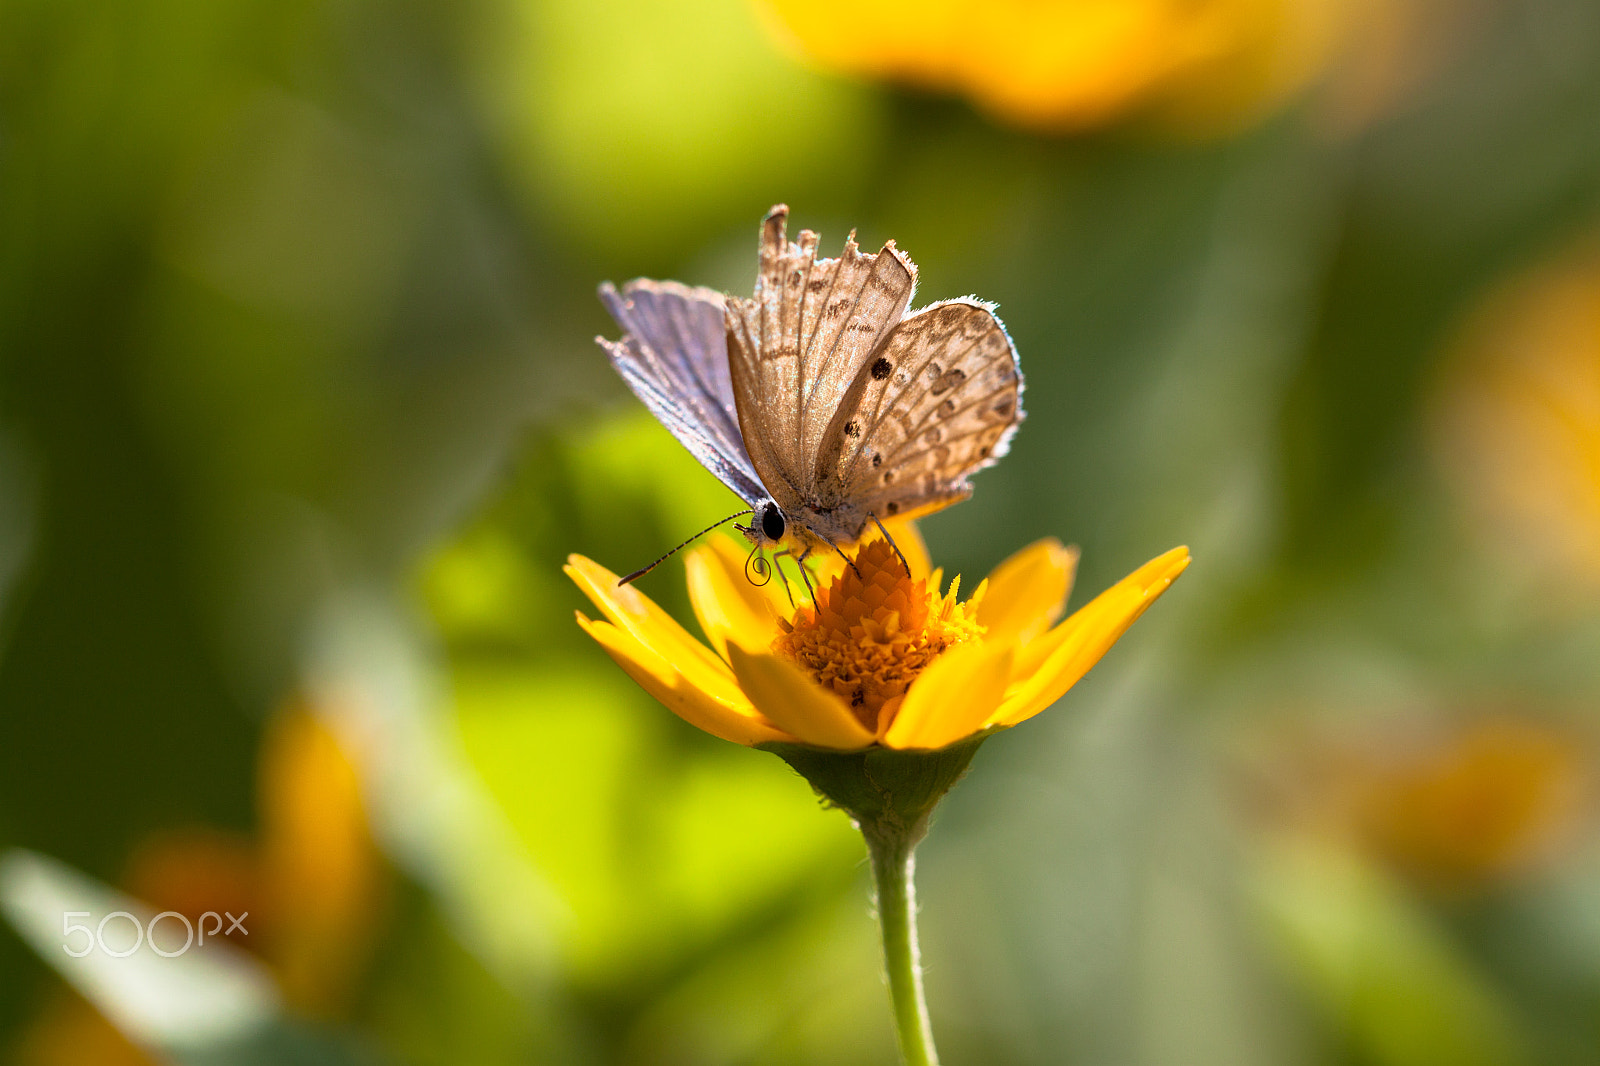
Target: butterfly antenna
{"points": [[892, 544], [637, 574]]}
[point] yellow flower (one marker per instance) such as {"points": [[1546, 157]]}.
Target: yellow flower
{"points": [[884, 659], [1074, 64]]}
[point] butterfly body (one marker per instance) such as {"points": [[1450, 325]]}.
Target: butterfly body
{"points": [[818, 400]]}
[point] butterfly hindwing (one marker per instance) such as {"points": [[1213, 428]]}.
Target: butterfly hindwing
{"points": [[674, 357], [939, 401], [797, 346]]}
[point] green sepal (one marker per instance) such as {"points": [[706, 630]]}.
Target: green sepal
{"points": [[887, 793]]}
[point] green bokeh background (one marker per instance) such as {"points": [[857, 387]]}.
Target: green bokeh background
{"points": [[297, 380]]}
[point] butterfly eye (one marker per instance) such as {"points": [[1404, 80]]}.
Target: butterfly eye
{"points": [[772, 522]]}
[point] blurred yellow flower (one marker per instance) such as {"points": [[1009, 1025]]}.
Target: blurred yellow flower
{"points": [[312, 885], [322, 876], [1487, 799], [883, 659], [1518, 423], [1072, 64], [1455, 805]]}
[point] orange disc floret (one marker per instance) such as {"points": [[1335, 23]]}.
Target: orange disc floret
{"points": [[873, 630]]}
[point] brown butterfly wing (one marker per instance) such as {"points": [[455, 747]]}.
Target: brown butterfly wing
{"points": [[797, 346], [938, 402]]}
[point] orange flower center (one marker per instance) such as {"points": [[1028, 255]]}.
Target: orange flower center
{"points": [[873, 630]]}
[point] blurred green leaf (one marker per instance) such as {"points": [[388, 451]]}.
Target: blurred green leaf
{"points": [[636, 124], [1378, 967], [656, 850]]}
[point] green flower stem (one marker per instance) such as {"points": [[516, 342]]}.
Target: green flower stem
{"points": [[892, 866], [890, 795]]}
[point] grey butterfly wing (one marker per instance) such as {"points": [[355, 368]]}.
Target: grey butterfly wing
{"points": [[798, 344], [674, 356], [939, 401]]}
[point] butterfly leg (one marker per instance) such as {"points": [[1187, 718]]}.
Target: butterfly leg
{"points": [[805, 575], [778, 566], [892, 544], [848, 561]]}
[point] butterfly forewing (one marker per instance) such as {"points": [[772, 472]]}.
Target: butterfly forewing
{"points": [[798, 345], [939, 401], [674, 357]]}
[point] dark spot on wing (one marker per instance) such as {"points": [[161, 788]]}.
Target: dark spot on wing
{"points": [[1005, 407], [877, 459], [881, 369], [852, 429], [892, 507], [943, 383]]}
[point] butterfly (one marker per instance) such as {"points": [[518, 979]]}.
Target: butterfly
{"points": [[819, 401]]}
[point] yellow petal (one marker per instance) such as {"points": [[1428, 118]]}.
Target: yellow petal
{"points": [[635, 613], [1028, 591], [725, 601], [1078, 643], [737, 721], [797, 704], [954, 697]]}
